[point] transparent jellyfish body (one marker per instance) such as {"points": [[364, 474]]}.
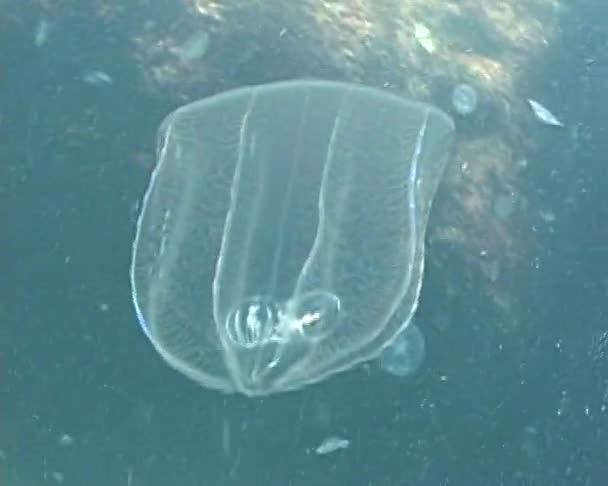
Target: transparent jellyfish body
{"points": [[281, 237], [464, 99]]}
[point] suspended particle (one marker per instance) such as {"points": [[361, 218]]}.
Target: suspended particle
{"points": [[97, 78], [65, 440], [332, 444], [41, 34]]}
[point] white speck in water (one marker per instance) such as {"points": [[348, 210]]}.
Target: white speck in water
{"points": [[57, 477], [547, 216], [332, 444], [97, 78], [65, 440]]}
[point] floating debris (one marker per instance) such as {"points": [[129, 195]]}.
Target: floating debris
{"points": [[97, 78], [332, 444], [543, 115], [41, 34]]}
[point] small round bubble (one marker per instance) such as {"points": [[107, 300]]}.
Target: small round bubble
{"points": [[464, 99]]}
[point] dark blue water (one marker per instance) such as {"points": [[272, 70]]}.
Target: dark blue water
{"points": [[516, 397]]}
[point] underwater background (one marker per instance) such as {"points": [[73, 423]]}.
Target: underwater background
{"points": [[513, 309]]}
